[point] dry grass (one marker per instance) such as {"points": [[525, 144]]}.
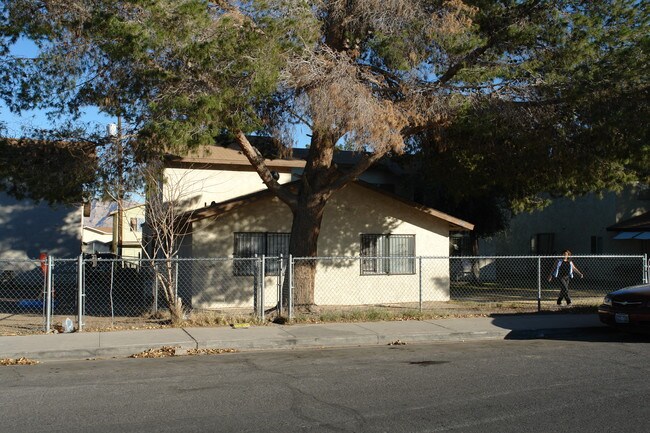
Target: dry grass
{"points": [[194, 352], [213, 318], [33, 324]]}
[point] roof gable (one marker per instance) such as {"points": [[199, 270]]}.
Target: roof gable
{"points": [[216, 209], [229, 155]]}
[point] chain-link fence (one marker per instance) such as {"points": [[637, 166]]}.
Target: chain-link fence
{"points": [[22, 296], [38, 295], [422, 283]]}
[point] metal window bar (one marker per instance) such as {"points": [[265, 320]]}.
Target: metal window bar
{"points": [[252, 244], [388, 254]]}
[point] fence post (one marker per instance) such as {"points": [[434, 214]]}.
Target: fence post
{"points": [[290, 295], [80, 293], [176, 281], [48, 295], [154, 305], [645, 269], [279, 286], [255, 268], [262, 286], [155, 287], [420, 282], [539, 284], [111, 292]]}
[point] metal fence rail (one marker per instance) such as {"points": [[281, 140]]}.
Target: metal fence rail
{"points": [[38, 295]]}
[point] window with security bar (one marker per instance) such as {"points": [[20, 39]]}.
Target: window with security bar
{"points": [[258, 244], [387, 254]]}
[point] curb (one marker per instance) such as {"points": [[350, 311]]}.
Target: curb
{"points": [[300, 343]]}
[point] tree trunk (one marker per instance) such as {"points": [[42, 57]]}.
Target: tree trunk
{"points": [[307, 218], [166, 279]]}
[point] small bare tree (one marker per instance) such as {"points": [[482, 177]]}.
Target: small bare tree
{"points": [[167, 223]]}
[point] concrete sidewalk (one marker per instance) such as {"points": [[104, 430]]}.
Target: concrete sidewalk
{"points": [[123, 343]]}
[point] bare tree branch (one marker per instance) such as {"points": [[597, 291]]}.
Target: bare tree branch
{"points": [[257, 161], [367, 160]]}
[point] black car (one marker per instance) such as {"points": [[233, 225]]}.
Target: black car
{"points": [[627, 308]]}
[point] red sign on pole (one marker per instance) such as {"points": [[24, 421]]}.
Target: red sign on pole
{"points": [[43, 259]]}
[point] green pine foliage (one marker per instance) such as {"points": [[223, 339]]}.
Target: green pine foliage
{"points": [[508, 98]]}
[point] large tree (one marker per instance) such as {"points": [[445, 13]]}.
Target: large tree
{"points": [[590, 134], [371, 73]]}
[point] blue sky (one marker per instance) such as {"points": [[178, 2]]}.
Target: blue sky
{"points": [[15, 123]]}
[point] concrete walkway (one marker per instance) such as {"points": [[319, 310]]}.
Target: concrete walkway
{"points": [[124, 343]]}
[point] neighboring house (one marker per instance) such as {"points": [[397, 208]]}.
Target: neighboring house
{"points": [[129, 244], [634, 232], [97, 239], [609, 224], [28, 229], [100, 228], [233, 214]]}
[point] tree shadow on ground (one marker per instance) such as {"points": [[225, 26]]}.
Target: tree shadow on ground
{"points": [[585, 328]]}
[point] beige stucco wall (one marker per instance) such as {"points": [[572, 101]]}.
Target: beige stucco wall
{"points": [[351, 212], [198, 188]]}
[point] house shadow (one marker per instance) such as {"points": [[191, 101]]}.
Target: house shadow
{"points": [[30, 228], [565, 327]]}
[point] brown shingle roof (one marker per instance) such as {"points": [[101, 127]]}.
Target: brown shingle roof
{"points": [[227, 156], [230, 155]]}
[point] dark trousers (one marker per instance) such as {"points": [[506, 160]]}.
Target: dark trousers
{"points": [[564, 290]]}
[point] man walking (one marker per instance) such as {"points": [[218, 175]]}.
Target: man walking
{"points": [[564, 270]]}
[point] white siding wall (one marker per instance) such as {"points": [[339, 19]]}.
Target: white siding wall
{"points": [[92, 235], [198, 188]]}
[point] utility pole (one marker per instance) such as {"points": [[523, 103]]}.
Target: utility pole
{"points": [[115, 131], [120, 187]]}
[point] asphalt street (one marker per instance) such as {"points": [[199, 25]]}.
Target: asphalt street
{"points": [[597, 382]]}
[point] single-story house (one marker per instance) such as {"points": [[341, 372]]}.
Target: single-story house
{"points": [[97, 239]]}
